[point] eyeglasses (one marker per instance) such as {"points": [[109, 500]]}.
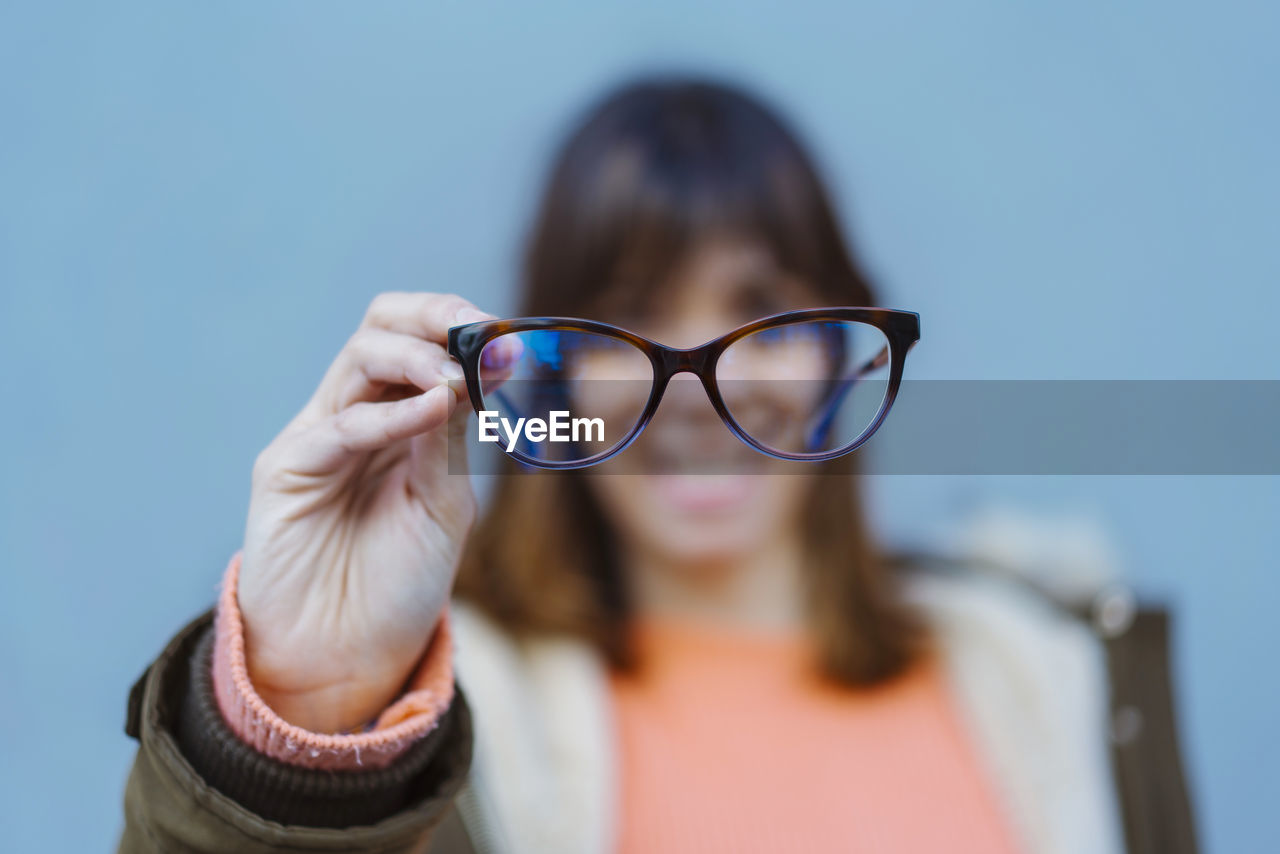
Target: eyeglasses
{"points": [[563, 393]]}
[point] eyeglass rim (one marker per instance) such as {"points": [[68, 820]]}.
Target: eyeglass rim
{"points": [[901, 329]]}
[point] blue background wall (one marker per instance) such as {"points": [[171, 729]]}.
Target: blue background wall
{"points": [[197, 201]]}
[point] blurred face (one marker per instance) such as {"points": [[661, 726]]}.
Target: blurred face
{"points": [[688, 491]]}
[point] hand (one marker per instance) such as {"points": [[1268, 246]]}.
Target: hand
{"points": [[357, 520]]}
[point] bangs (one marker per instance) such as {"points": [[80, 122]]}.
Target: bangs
{"points": [[661, 168]]}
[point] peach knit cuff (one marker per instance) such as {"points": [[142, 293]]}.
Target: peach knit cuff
{"points": [[397, 728]]}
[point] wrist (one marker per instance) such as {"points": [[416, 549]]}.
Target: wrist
{"points": [[326, 691], [298, 723], [326, 687], [331, 709]]}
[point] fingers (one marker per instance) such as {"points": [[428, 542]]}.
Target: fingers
{"points": [[401, 342], [501, 354], [439, 452], [426, 316], [365, 427], [374, 358], [429, 317], [498, 361]]}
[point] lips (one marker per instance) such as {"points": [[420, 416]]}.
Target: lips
{"points": [[703, 494], [725, 455]]}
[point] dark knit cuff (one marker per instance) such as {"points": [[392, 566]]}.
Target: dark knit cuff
{"points": [[311, 797]]}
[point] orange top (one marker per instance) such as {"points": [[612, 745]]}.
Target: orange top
{"points": [[730, 742]]}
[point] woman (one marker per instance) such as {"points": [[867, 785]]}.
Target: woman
{"points": [[701, 651]]}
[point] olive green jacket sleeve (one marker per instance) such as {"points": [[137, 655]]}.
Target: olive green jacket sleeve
{"points": [[195, 787]]}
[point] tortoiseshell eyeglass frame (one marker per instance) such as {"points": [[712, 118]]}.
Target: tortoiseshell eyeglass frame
{"points": [[900, 328]]}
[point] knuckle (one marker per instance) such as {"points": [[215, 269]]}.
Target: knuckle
{"points": [[356, 426], [426, 352], [358, 342], [346, 422], [448, 305], [379, 303], [264, 464]]}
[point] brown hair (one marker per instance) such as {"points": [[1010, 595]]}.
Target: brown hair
{"points": [[655, 167]]}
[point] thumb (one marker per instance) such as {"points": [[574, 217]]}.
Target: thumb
{"points": [[441, 454]]}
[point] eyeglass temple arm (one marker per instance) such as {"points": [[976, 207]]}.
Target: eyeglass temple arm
{"points": [[843, 386]]}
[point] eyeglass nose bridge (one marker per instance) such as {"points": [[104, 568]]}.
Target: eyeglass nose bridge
{"points": [[696, 361]]}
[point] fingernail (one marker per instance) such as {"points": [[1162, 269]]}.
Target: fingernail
{"points": [[451, 371], [471, 315]]}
